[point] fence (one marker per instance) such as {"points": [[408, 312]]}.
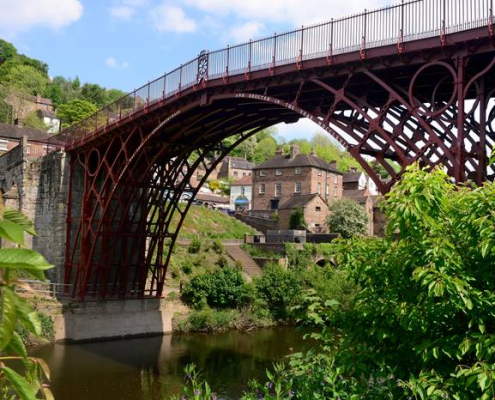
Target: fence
{"points": [[398, 24]]}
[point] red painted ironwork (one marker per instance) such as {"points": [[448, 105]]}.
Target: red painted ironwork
{"points": [[133, 163]]}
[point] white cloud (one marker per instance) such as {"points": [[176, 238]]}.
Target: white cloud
{"points": [[113, 63], [21, 15], [296, 12], [172, 19], [125, 9], [246, 31], [123, 12]]}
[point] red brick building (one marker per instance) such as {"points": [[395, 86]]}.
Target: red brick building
{"points": [[287, 182], [11, 135]]}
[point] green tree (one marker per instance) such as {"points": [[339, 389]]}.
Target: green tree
{"points": [[7, 51], [114, 95], [15, 311], [95, 94], [75, 111], [25, 77], [347, 218]]}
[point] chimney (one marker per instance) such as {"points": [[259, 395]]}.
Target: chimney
{"points": [[353, 169], [279, 151], [294, 150], [313, 152], [333, 164]]}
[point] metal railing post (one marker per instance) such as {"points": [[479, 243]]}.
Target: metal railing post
{"points": [[362, 52]]}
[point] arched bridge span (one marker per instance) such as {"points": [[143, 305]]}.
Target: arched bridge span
{"points": [[415, 84]]}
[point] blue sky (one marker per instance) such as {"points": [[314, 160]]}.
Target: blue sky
{"points": [[124, 43]]}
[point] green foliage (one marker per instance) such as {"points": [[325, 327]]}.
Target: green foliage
{"points": [[347, 218], [14, 311], [196, 388], [324, 148], [206, 320], [33, 121], [7, 51], [195, 246], [23, 77], [206, 223], [421, 325], [75, 111], [296, 219], [217, 247], [223, 289], [279, 290], [6, 112], [95, 94]]}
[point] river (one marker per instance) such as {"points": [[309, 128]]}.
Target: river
{"points": [[152, 368]]}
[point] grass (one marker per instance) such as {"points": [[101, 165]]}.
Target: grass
{"points": [[207, 223]]}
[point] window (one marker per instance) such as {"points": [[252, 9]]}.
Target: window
{"points": [[298, 171], [278, 172], [235, 174], [243, 190], [319, 188], [327, 190], [262, 188], [318, 208], [278, 189], [4, 145], [243, 174], [28, 150], [298, 187], [335, 179], [335, 191], [262, 172], [319, 172]]}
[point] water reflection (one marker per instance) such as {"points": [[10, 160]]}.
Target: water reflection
{"points": [[152, 368]]}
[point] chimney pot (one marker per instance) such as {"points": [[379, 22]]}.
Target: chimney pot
{"points": [[333, 164], [279, 152]]}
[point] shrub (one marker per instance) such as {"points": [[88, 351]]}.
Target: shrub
{"points": [[347, 218], [279, 290], [195, 246], [217, 247], [225, 288]]}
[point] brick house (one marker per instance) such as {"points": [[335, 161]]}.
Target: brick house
{"points": [[235, 168], [11, 135], [278, 182], [315, 211]]}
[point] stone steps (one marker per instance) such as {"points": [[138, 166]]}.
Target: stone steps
{"points": [[249, 266]]}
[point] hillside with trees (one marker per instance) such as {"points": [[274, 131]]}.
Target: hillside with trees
{"points": [[22, 77]]}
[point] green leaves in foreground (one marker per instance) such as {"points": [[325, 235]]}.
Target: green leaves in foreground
{"points": [[15, 311]]}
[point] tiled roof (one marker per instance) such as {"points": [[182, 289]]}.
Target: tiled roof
{"points": [[42, 100], [239, 163], [16, 132], [298, 201], [212, 198], [244, 181], [355, 193], [352, 177], [301, 160], [47, 113]]}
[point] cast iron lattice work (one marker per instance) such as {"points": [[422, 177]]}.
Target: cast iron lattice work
{"points": [[412, 82]]}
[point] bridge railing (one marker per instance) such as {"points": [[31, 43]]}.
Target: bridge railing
{"points": [[393, 25]]}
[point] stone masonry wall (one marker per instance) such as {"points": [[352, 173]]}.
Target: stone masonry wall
{"points": [[37, 186]]}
